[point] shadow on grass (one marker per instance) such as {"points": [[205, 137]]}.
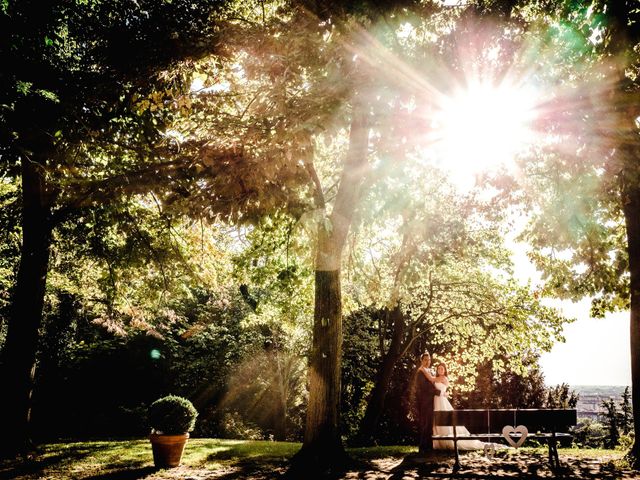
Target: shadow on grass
{"points": [[268, 452], [41, 460], [18, 468], [244, 461], [124, 474]]}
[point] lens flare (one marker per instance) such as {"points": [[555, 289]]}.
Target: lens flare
{"points": [[481, 127]]}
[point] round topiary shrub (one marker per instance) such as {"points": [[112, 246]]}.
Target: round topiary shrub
{"points": [[172, 415]]}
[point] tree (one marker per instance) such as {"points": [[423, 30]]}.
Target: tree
{"points": [[624, 36], [439, 275], [591, 217], [561, 396], [611, 421], [70, 96], [335, 185], [276, 279], [506, 388], [589, 433], [137, 131], [117, 290], [322, 444], [626, 412]]}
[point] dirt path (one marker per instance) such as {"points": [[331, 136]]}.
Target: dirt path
{"points": [[474, 466], [507, 465]]}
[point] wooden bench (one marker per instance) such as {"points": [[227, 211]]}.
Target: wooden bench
{"points": [[487, 425]]}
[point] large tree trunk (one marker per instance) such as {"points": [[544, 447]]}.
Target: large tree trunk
{"points": [[622, 42], [632, 217], [376, 401], [19, 354], [322, 434], [322, 450]]}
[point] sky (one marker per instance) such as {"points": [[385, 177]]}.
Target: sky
{"points": [[596, 352]]}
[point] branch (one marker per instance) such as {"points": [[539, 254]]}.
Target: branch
{"points": [[318, 195], [82, 193]]}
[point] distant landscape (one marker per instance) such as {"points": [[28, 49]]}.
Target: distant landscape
{"points": [[591, 397]]}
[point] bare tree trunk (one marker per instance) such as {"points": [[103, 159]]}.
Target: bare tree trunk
{"points": [[19, 354], [322, 450]]}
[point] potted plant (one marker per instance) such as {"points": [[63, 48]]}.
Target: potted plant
{"points": [[171, 419]]}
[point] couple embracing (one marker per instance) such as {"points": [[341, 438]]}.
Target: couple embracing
{"points": [[431, 391]]}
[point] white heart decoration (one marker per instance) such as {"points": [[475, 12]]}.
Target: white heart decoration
{"points": [[508, 430], [489, 450]]}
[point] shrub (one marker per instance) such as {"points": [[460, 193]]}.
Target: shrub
{"points": [[588, 434], [233, 426], [172, 415], [626, 442]]}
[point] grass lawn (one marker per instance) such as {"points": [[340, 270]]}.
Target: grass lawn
{"points": [[226, 459]]}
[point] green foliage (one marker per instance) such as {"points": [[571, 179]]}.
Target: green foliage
{"points": [[561, 396], [506, 388], [626, 412], [449, 272], [172, 415], [276, 269], [617, 419], [511, 388], [234, 426], [265, 395], [625, 442], [611, 422], [589, 434], [441, 255], [70, 81], [275, 276], [9, 245], [360, 361], [571, 190], [237, 133], [198, 338]]}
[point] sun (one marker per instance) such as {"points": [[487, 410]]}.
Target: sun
{"points": [[482, 126]]}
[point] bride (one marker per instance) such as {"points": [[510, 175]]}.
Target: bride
{"points": [[441, 402]]}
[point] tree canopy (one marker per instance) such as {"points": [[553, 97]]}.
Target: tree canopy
{"points": [[184, 174]]}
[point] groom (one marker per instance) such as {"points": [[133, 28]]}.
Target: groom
{"points": [[425, 392]]}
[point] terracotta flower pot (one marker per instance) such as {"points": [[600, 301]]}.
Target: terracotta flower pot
{"points": [[167, 449]]}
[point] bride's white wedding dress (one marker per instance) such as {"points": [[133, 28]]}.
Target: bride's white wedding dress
{"points": [[441, 402]]}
